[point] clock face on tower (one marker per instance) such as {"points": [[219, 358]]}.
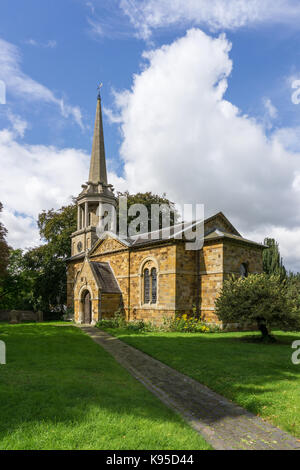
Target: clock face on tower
{"points": [[79, 247]]}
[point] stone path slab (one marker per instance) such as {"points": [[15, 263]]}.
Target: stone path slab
{"points": [[223, 424]]}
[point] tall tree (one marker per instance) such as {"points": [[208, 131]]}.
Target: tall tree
{"points": [[16, 289], [4, 248], [49, 288], [272, 261], [147, 199], [293, 286], [48, 261], [56, 228]]}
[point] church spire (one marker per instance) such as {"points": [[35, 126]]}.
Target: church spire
{"points": [[98, 162]]}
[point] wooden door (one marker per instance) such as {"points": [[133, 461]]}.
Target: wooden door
{"points": [[87, 308]]}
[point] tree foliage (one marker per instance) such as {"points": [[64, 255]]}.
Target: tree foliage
{"points": [[48, 261], [259, 298], [49, 289], [272, 261], [293, 291], [147, 199], [4, 248], [56, 228], [16, 290], [37, 279]]}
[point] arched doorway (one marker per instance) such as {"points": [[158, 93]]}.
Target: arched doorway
{"points": [[87, 308]]}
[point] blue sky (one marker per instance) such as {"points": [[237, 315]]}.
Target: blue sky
{"points": [[53, 55], [263, 58]]}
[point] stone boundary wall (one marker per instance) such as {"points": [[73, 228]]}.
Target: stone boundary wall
{"points": [[20, 316]]}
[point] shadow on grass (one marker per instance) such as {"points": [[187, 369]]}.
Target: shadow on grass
{"points": [[57, 375]]}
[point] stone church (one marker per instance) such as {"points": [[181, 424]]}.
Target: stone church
{"points": [[145, 278]]}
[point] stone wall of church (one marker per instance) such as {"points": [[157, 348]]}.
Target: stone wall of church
{"points": [[110, 304], [186, 279], [177, 278], [211, 278], [119, 262], [79, 238], [220, 261], [163, 257], [219, 223], [86, 282], [237, 253], [128, 269], [72, 270]]}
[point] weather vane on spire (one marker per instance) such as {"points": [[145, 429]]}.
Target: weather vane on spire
{"points": [[99, 88]]}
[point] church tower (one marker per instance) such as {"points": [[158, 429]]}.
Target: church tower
{"points": [[94, 194]]}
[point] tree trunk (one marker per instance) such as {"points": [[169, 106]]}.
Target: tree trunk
{"points": [[262, 326], [263, 329]]}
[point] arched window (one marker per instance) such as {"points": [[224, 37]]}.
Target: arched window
{"points": [[149, 282], [153, 286], [146, 286], [244, 270]]}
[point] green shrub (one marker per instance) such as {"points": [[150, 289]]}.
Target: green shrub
{"points": [[188, 324], [259, 299], [136, 325], [117, 321], [184, 323]]}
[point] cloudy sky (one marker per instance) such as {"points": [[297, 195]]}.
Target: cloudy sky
{"points": [[201, 98]]}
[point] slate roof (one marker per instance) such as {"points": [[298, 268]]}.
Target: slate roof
{"points": [[105, 277], [215, 234], [179, 228], [163, 235]]}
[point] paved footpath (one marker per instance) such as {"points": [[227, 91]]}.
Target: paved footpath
{"points": [[222, 423]]}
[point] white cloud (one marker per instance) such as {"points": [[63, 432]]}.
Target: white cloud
{"points": [[91, 7], [22, 230], [21, 85], [270, 108], [33, 178], [288, 240], [32, 42], [147, 15], [37, 177], [50, 44], [96, 27], [289, 137], [181, 136], [105, 20], [19, 125], [271, 113]]}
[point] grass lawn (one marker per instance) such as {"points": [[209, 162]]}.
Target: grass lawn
{"points": [[60, 390], [259, 377]]}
